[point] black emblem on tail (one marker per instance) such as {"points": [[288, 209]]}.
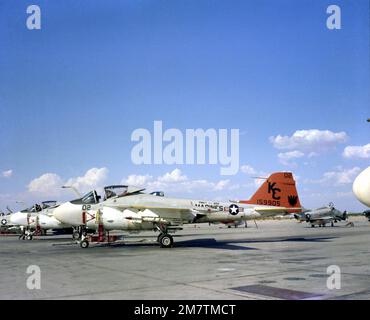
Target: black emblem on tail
{"points": [[292, 200]]}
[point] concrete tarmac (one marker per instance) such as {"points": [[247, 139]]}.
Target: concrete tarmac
{"points": [[281, 259]]}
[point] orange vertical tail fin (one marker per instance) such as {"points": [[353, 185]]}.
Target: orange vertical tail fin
{"points": [[279, 189]]}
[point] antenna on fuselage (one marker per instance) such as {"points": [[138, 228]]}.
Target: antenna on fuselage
{"points": [[74, 189]]}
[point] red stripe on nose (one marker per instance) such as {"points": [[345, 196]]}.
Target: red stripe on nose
{"points": [[83, 217]]}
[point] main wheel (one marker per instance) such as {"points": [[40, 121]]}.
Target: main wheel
{"points": [[84, 244], [29, 237], [166, 241]]}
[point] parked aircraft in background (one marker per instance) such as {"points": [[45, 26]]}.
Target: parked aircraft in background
{"points": [[322, 216], [36, 219]]}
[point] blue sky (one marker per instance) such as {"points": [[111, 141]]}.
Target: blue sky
{"points": [[72, 93]]}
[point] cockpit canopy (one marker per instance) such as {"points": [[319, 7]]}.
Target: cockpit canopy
{"points": [[158, 193], [35, 208], [109, 192], [89, 198], [120, 191], [48, 204]]}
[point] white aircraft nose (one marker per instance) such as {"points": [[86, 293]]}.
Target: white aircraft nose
{"points": [[361, 187], [69, 213], [18, 218]]}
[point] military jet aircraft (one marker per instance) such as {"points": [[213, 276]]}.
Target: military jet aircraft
{"points": [[322, 216], [36, 219], [130, 208]]}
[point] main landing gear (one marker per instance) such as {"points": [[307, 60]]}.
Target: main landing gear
{"points": [[164, 239]]}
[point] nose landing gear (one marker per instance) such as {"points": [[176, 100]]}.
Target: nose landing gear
{"points": [[27, 234]]}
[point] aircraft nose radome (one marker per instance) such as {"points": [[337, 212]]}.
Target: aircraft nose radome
{"points": [[361, 187], [68, 213]]}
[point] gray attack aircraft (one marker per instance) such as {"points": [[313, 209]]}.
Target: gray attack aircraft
{"points": [[322, 216], [131, 209]]}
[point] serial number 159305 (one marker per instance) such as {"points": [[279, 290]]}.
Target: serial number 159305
{"points": [[268, 202]]}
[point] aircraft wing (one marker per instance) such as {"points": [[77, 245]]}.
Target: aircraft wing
{"points": [[173, 214], [140, 207], [273, 210], [327, 218]]}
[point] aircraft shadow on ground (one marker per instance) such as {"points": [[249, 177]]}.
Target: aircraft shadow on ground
{"points": [[212, 243]]}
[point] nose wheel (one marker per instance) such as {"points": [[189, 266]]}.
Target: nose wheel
{"points": [[84, 244], [27, 234]]}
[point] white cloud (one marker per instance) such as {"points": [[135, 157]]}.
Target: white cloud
{"points": [[92, 179], [176, 182], [7, 173], [48, 183], [221, 185], [312, 140], [312, 154], [339, 177], [137, 180], [247, 169], [191, 186], [286, 158], [359, 152], [174, 176], [51, 183]]}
